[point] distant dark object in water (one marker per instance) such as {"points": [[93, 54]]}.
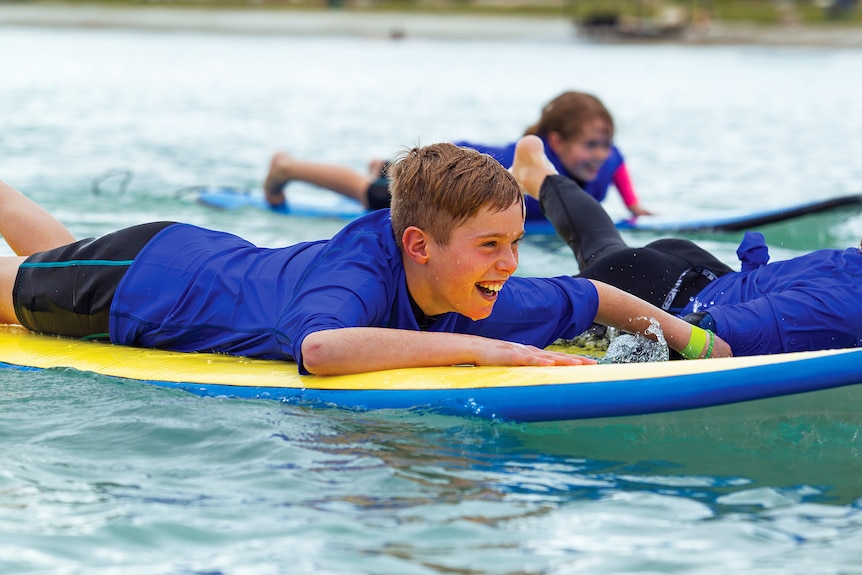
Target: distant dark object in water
{"points": [[599, 24], [837, 9], [600, 19], [670, 22]]}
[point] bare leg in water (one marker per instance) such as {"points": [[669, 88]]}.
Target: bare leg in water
{"points": [[341, 179], [28, 229], [26, 226]]}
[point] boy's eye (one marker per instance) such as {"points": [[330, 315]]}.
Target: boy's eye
{"points": [[596, 145], [496, 243]]}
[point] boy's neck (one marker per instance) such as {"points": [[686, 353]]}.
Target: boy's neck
{"points": [[422, 319], [420, 289]]}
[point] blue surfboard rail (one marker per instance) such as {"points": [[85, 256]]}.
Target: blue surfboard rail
{"points": [[338, 208], [331, 206], [742, 221], [570, 401]]}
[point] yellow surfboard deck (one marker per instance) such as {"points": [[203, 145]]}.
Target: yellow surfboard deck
{"points": [[521, 393]]}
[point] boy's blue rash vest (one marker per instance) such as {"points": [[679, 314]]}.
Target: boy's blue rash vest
{"points": [[192, 289], [808, 302], [597, 188]]}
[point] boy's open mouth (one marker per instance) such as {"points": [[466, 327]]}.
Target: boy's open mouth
{"points": [[490, 289]]}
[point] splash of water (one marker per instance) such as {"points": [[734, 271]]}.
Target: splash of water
{"points": [[632, 348]]}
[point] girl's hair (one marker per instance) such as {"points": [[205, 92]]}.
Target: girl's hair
{"points": [[568, 113], [437, 187]]}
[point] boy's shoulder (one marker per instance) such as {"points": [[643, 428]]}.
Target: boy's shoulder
{"points": [[370, 235], [377, 222]]}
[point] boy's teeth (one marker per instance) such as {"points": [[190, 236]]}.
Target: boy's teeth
{"points": [[493, 287]]}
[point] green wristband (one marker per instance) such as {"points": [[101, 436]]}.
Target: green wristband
{"points": [[696, 343], [711, 344]]}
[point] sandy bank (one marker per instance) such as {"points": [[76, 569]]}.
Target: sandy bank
{"points": [[288, 22], [350, 23]]}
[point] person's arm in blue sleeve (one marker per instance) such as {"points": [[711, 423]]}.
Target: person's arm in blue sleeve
{"points": [[792, 320]]}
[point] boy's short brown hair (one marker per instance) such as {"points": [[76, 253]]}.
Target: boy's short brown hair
{"points": [[437, 187]]}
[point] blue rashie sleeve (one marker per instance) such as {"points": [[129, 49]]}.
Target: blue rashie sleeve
{"points": [[347, 292], [807, 303], [792, 320]]}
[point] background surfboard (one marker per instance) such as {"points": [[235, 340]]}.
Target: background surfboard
{"points": [[332, 206]]}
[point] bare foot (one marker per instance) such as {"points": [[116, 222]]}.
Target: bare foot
{"points": [[375, 169], [531, 166], [279, 175]]}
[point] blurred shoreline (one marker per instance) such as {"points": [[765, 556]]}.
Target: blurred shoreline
{"points": [[339, 22]]}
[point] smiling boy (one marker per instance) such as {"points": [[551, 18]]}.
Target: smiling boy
{"points": [[429, 284]]}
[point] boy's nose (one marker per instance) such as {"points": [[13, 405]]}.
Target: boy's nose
{"points": [[509, 262]]}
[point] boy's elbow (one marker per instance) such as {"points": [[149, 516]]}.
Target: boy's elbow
{"points": [[313, 359]]}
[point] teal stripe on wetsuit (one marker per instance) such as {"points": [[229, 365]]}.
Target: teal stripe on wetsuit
{"points": [[73, 263]]}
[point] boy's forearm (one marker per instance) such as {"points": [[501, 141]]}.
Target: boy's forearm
{"points": [[624, 311], [363, 349]]}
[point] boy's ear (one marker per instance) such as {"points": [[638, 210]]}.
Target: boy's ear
{"points": [[415, 244]]}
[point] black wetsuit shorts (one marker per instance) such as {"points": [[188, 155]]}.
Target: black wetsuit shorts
{"points": [[68, 290], [378, 194]]}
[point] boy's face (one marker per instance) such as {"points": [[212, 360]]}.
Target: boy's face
{"points": [[585, 153], [471, 269]]}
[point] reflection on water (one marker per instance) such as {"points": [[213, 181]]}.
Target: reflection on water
{"points": [[100, 473]]}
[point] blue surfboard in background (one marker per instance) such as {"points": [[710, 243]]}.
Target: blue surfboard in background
{"points": [[333, 206]]}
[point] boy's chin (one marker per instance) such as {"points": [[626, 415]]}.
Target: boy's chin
{"points": [[481, 315]]}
